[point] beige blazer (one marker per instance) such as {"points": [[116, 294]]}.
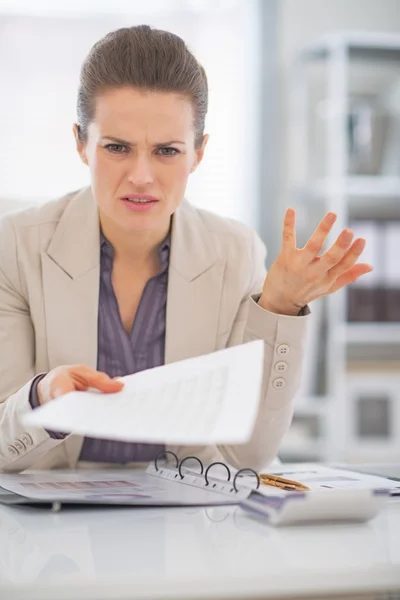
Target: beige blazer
{"points": [[49, 288]]}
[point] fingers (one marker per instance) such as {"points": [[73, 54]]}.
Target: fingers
{"points": [[108, 386], [348, 260], [338, 250], [350, 276], [65, 379], [289, 231], [85, 378], [316, 242]]}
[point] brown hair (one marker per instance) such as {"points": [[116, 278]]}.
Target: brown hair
{"points": [[145, 58]]}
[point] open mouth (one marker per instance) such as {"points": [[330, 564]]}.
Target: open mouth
{"points": [[139, 204], [140, 200]]}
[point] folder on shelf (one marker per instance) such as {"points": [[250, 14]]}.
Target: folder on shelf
{"points": [[375, 297], [366, 296], [391, 274]]}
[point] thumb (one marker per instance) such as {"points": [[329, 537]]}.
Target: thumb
{"points": [[62, 387]]}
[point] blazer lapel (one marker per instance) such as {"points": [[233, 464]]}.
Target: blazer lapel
{"points": [[70, 270], [194, 288], [71, 274]]}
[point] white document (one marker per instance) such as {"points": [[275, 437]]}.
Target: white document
{"points": [[204, 400], [320, 477]]}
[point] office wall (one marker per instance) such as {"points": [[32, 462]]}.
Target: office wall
{"points": [[39, 69]]}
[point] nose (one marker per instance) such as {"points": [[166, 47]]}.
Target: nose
{"points": [[141, 171]]}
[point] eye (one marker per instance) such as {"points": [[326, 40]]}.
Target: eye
{"points": [[116, 148], [168, 151]]}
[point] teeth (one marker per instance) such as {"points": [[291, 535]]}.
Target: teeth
{"points": [[137, 200]]}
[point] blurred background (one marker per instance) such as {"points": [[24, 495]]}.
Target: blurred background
{"points": [[304, 112]]}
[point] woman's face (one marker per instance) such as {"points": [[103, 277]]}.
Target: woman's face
{"points": [[140, 147]]}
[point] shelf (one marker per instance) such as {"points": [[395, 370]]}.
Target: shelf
{"points": [[360, 44], [372, 333], [368, 197], [357, 186]]}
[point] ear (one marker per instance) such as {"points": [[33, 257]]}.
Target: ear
{"points": [[200, 152], [80, 146]]}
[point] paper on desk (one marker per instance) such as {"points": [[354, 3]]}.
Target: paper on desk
{"points": [[319, 477], [204, 400]]}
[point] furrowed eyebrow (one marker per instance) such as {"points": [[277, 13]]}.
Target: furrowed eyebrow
{"points": [[170, 143], [126, 143]]}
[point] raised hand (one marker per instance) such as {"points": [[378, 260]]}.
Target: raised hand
{"points": [[301, 275]]}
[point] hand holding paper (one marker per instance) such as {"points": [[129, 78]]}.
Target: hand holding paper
{"points": [[204, 400], [65, 379]]}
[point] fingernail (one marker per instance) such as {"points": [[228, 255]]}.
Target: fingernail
{"points": [[331, 217]]}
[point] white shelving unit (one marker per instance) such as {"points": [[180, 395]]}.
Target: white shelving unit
{"points": [[360, 186], [332, 58], [369, 333]]}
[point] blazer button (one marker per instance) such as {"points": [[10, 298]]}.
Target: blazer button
{"points": [[12, 451], [19, 445], [283, 350], [281, 366], [278, 383], [26, 439]]}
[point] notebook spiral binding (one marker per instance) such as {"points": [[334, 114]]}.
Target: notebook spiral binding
{"points": [[179, 464]]}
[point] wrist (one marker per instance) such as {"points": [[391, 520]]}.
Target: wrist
{"points": [[39, 392], [287, 310]]}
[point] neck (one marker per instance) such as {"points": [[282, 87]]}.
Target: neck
{"points": [[139, 247]]}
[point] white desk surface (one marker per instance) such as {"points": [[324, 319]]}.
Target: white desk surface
{"points": [[191, 553]]}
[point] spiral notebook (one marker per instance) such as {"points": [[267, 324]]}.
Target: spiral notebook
{"points": [[155, 486]]}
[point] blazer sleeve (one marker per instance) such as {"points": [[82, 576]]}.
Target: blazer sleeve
{"points": [[284, 342], [20, 447]]}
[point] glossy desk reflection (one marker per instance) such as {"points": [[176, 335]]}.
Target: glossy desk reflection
{"points": [[77, 549]]}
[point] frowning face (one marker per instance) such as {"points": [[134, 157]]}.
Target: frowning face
{"points": [[140, 150]]}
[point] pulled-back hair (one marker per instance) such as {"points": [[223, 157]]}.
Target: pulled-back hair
{"points": [[147, 59]]}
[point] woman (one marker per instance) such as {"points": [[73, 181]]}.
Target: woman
{"points": [[126, 275]]}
